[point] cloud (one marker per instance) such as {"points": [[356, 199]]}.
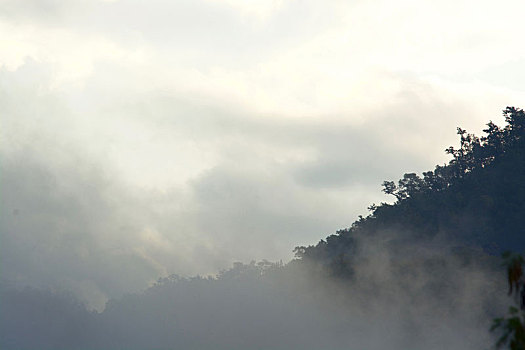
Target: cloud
{"points": [[113, 187], [142, 139]]}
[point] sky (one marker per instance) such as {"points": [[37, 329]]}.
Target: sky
{"points": [[144, 138]]}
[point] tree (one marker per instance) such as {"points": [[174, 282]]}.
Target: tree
{"points": [[477, 198]]}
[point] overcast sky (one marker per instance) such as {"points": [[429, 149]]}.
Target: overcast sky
{"points": [[144, 138]]}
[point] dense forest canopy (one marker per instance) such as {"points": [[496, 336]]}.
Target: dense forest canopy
{"points": [[477, 199]]}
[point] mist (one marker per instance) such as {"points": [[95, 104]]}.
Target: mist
{"points": [[148, 147], [408, 296]]}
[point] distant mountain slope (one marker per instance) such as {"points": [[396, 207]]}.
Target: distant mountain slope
{"points": [[420, 277], [477, 200]]}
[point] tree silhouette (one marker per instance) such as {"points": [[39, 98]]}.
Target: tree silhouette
{"points": [[478, 199]]}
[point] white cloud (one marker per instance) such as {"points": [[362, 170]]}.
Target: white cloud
{"points": [[213, 131], [261, 9]]}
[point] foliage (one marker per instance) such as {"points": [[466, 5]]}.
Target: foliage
{"points": [[475, 153], [477, 199], [512, 327]]}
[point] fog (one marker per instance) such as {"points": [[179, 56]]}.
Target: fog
{"points": [[144, 139], [139, 140], [401, 296]]}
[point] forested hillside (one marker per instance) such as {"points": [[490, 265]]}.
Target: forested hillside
{"points": [[477, 200], [421, 273]]}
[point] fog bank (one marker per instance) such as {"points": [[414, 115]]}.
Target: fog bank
{"points": [[400, 297]]}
